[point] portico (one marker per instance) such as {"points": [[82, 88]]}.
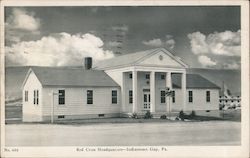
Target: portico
{"points": [[144, 76], [146, 84]]}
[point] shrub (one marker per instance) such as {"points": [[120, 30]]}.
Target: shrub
{"points": [[181, 115], [148, 115], [177, 118], [134, 115], [192, 115], [163, 117]]}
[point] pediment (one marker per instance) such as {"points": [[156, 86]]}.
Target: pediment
{"points": [[162, 58]]}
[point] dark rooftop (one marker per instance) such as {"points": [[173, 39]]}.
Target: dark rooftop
{"points": [[193, 81], [52, 76]]}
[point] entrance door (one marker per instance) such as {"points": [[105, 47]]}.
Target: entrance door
{"points": [[146, 100]]}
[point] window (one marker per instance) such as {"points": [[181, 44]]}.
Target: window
{"points": [[208, 96], [35, 97], [89, 97], [60, 116], [114, 97], [130, 97], [173, 96], [163, 99], [147, 76], [163, 77], [26, 96], [130, 75], [101, 115], [190, 96], [61, 97]]}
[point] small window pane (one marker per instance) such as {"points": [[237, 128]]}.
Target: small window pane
{"points": [[26, 96], [173, 96], [89, 97], [130, 76], [114, 97], [163, 98], [208, 96], [61, 97], [34, 100], [145, 98], [147, 76], [37, 97], [190, 96], [163, 77], [130, 96]]}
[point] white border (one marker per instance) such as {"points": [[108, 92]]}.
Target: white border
{"points": [[173, 151]]}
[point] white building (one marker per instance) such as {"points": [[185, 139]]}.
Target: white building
{"points": [[132, 83], [230, 102]]}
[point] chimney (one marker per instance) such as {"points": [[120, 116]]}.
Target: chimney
{"points": [[88, 63]]}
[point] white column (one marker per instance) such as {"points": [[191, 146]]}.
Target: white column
{"points": [[135, 83], [152, 91], [169, 84], [184, 88], [123, 91]]}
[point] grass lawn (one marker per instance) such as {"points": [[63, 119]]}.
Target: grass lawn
{"points": [[125, 134], [123, 131]]}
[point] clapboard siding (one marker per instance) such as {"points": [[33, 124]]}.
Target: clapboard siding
{"points": [[32, 112], [76, 101], [199, 100]]}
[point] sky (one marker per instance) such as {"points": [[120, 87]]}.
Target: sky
{"points": [[203, 37]]}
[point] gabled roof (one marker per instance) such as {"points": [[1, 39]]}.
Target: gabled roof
{"points": [[78, 77], [134, 58], [193, 81], [56, 76]]}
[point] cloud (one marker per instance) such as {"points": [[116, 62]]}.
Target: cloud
{"points": [[23, 20], [198, 43], [232, 65], [21, 23], [206, 61], [154, 42], [122, 28], [225, 43], [169, 37], [114, 43], [157, 42], [57, 50], [170, 43]]}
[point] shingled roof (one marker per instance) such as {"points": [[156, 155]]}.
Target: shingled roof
{"points": [[77, 77], [194, 81]]}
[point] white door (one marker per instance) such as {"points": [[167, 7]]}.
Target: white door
{"points": [[146, 100]]}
